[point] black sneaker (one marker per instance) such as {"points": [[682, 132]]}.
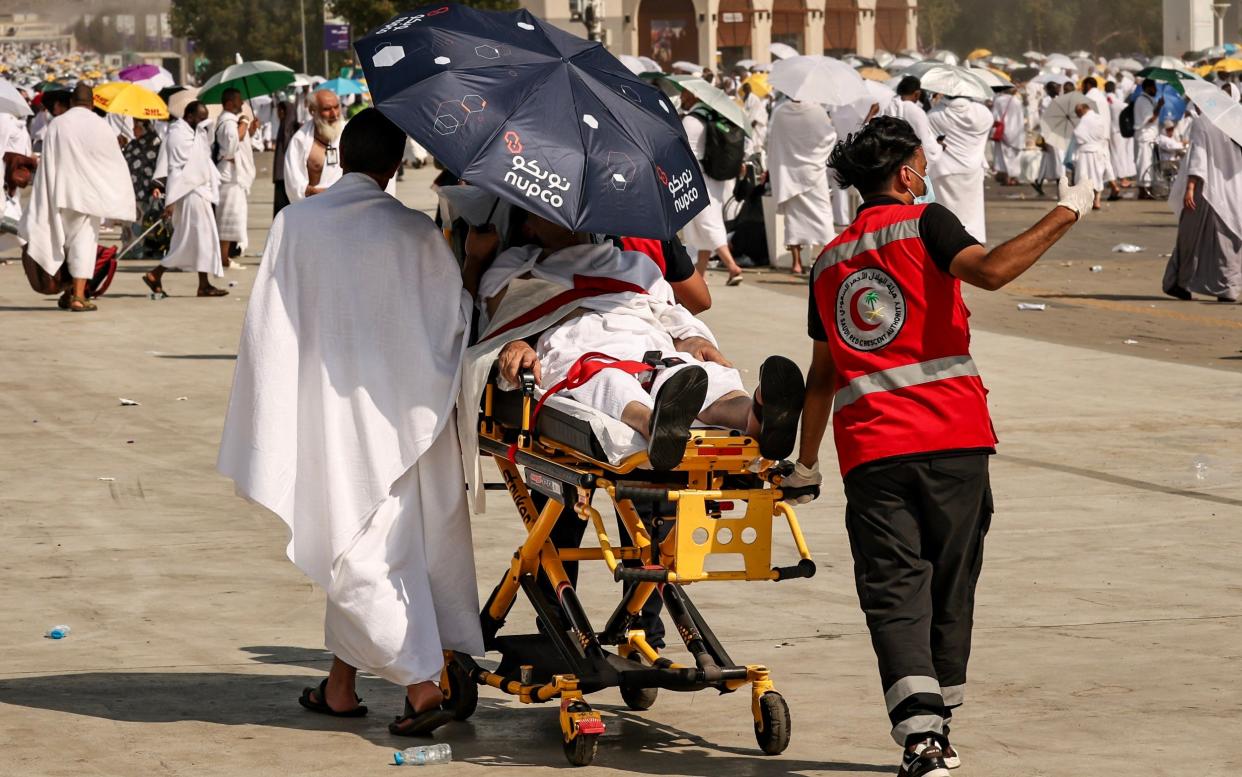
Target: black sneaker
{"points": [[783, 390], [923, 759], [677, 404]]}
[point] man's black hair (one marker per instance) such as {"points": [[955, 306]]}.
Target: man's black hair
{"points": [[371, 144], [908, 86], [1053, 89], [1088, 84], [870, 157], [1150, 82], [229, 94], [1110, 87], [56, 97], [191, 108]]}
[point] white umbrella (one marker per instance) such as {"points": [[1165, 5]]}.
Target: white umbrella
{"points": [[711, 97], [955, 81], [818, 79], [651, 65], [632, 63], [689, 68], [1059, 118], [993, 80], [1129, 64], [945, 57], [300, 79], [782, 51], [901, 63], [1080, 54], [883, 58], [12, 102], [1170, 63], [880, 93], [1084, 66], [1034, 56], [1052, 78], [1059, 62], [1217, 106], [745, 64]]}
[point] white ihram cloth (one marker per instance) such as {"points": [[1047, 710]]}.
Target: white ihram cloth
{"points": [[914, 115], [624, 308], [1121, 149], [1207, 257], [801, 137], [236, 167], [960, 169], [1146, 128], [756, 110], [13, 136], [1091, 160], [193, 187], [1008, 108], [341, 423], [706, 231], [81, 172]]}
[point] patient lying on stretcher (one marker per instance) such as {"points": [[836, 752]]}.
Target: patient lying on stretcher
{"points": [[615, 306]]}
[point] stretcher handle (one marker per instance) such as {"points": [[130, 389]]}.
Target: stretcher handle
{"points": [[804, 568], [526, 381], [788, 493], [641, 494], [638, 575]]}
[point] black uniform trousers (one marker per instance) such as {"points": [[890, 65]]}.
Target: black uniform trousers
{"points": [[916, 527]]}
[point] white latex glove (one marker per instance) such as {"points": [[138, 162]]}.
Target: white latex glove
{"points": [[1078, 198], [802, 477]]}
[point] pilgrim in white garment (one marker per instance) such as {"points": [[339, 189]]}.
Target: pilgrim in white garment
{"points": [[756, 110], [960, 168], [82, 178], [313, 156], [1207, 198], [341, 422], [1011, 131], [907, 105], [706, 231], [192, 188], [1146, 128], [235, 163], [1091, 159], [1121, 148], [800, 140]]}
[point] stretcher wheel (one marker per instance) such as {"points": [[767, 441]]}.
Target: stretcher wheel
{"points": [[580, 751], [639, 699], [773, 729], [461, 696]]}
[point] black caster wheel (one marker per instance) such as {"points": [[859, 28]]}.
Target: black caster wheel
{"points": [[773, 729], [580, 751], [639, 699], [461, 693]]}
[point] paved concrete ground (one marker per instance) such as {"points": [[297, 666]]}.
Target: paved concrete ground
{"points": [[1109, 614]]}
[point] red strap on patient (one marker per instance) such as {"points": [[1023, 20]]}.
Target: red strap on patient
{"points": [[586, 367]]}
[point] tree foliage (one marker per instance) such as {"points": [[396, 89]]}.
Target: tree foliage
{"points": [[365, 15], [1107, 27]]}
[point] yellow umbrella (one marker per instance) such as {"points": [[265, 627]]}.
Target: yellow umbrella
{"points": [[1230, 65], [1202, 70], [979, 54], [130, 100], [874, 73], [759, 84]]}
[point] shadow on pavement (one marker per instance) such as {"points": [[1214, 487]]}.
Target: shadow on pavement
{"points": [[199, 356], [1109, 297], [501, 733]]}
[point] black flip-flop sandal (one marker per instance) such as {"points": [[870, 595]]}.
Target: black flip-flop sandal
{"points": [[783, 390], [677, 404], [418, 724], [320, 705]]}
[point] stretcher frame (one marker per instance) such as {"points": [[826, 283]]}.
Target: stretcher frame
{"points": [[718, 469]]}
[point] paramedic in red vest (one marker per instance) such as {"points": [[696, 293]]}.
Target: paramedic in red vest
{"points": [[910, 416]]}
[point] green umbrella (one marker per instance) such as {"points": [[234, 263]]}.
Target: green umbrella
{"points": [[1168, 75], [709, 95], [252, 79]]}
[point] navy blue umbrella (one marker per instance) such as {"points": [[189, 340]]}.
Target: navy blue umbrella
{"points": [[539, 117]]}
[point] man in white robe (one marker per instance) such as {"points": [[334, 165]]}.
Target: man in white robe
{"points": [[1009, 135], [312, 158], [800, 140], [908, 106], [192, 187], [965, 126], [341, 422], [235, 163], [756, 110], [1146, 128], [706, 231], [1091, 160], [1121, 148], [1207, 198], [82, 178]]}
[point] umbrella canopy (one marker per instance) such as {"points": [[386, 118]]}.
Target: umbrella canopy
{"points": [[978, 54], [1167, 62], [955, 81], [129, 99], [12, 102], [1167, 75], [743, 64], [632, 63], [1052, 78], [945, 57], [651, 65], [872, 73], [538, 117], [300, 80], [901, 63], [1217, 107], [818, 79], [1084, 66], [343, 86], [138, 72], [993, 79], [252, 79], [687, 68], [759, 84], [884, 59], [1033, 56], [1024, 74], [1080, 54], [1059, 62], [1230, 65], [709, 95], [1125, 64], [780, 50], [1059, 118]]}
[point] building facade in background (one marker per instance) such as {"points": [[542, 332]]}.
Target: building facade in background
{"points": [[1190, 25], [721, 32]]}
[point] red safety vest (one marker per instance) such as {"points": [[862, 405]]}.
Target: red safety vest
{"points": [[900, 341]]}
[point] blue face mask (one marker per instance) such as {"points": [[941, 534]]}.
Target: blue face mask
{"points": [[929, 192]]}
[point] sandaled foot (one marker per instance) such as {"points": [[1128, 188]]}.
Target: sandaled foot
{"points": [[677, 404], [316, 700], [735, 280], [153, 283], [81, 305], [212, 291], [63, 302], [1177, 292], [778, 406], [418, 724]]}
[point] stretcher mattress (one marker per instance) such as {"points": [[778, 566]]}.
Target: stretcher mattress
{"points": [[572, 423]]}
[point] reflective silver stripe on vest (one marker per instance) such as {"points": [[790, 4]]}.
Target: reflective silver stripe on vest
{"points": [[903, 377], [870, 241]]}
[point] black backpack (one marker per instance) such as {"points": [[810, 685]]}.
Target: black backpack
{"points": [[1125, 120], [725, 147]]}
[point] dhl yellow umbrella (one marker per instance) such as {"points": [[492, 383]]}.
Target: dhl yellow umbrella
{"points": [[130, 99], [978, 54], [1202, 70], [874, 74], [1230, 65], [759, 84]]}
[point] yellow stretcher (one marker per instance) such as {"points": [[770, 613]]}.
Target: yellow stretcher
{"points": [[569, 658]]}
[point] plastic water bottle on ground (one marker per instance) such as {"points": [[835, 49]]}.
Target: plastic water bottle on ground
{"points": [[1200, 468], [424, 755], [57, 632]]}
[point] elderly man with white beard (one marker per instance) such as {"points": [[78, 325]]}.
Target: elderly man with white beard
{"points": [[312, 159]]}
